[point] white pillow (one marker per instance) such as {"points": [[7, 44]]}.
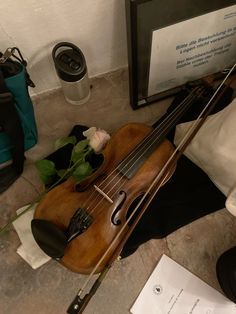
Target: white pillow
{"points": [[213, 149]]}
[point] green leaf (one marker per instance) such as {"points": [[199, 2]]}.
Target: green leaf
{"points": [[47, 170], [79, 150], [80, 146], [82, 171], [64, 141], [76, 156]]}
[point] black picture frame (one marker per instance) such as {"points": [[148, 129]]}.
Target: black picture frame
{"points": [[143, 16]]}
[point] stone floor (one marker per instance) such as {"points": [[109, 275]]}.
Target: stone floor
{"points": [[51, 288]]}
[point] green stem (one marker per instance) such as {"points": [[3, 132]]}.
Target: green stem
{"points": [[40, 196], [22, 213]]}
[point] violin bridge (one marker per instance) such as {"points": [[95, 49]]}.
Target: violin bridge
{"points": [[103, 194]]}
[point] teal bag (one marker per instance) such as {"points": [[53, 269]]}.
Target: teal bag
{"points": [[17, 86], [18, 130]]}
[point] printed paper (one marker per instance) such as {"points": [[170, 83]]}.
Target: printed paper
{"points": [[192, 49], [171, 289]]}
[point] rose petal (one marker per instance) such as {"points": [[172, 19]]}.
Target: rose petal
{"points": [[90, 132]]}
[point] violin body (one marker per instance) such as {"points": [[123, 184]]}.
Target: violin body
{"points": [[107, 213]]}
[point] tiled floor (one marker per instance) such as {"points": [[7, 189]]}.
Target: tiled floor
{"points": [[51, 288]]}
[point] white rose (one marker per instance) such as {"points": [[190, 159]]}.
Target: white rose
{"points": [[97, 138]]}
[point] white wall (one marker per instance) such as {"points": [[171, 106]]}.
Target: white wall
{"points": [[96, 26]]}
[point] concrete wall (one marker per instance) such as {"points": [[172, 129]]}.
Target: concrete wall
{"points": [[97, 26]]}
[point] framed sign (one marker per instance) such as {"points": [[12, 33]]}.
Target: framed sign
{"points": [[174, 42]]}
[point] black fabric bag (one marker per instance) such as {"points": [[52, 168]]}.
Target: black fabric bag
{"points": [[18, 130], [226, 273]]}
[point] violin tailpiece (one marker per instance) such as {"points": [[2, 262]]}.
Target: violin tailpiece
{"points": [[79, 222]]}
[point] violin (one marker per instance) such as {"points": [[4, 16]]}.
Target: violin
{"points": [[105, 199], [104, 208]]}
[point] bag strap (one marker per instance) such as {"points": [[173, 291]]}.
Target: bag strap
{"points": [[9, 55], [11, 125]]}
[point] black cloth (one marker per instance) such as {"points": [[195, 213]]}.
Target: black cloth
{"points": [[226, 273]]}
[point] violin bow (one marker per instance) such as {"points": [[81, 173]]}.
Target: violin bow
{"points": [[79, 303]]}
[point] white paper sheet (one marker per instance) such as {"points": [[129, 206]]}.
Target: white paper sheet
{"points": [[171, 289], [191, 49], [29, 249]]}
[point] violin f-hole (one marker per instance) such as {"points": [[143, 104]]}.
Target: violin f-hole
{"points": [[133, 207], [116, 208]]}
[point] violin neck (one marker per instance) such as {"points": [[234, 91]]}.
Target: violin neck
{"points": [[150, 143]]}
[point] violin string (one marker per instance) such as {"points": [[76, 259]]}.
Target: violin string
{"points": [[127, 171], [95, 198], [144, 149], [187, 100], [155, 135], [157, 130], [154, 183], [204, 110], [166, 123]]}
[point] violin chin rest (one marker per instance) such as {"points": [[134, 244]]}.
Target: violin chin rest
{"points": [[49, 237]]}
